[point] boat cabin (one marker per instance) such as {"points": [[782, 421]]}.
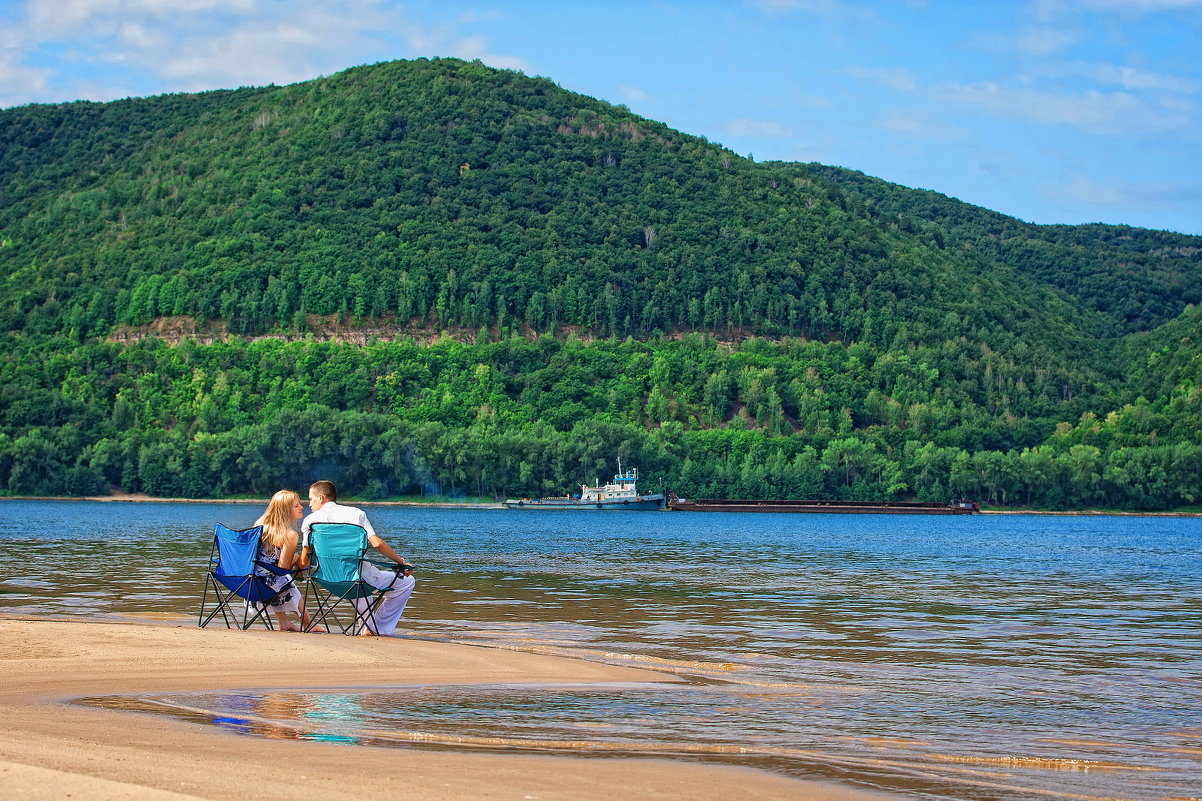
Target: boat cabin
{"points": [[623, 487]]}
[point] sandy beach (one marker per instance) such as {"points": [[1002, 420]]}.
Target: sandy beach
{"points": [[51, 748]]}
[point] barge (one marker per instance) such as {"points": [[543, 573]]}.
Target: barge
{"points": [[824, 507]]}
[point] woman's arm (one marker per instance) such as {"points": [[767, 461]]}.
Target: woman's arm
{"points": [[288, 553], [299, 561]]}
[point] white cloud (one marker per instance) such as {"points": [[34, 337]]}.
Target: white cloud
{"points": [[998, 170], [476, 46], [20, 84], [187, 45], [1128, 77], [1041, 40], [902, 123], [100, 92], [252, 53], [1145, 103], [1092, 111], [788, 6], [825, 9], [1050, 27], [140, 37], [1032, 42], [471, 17], [899, 80], [813, 101], [1057, 24], [762, 128], [1128, 7], [919, 124], [1116, 193], [47, 16], [1082, 189], [634, 94]]}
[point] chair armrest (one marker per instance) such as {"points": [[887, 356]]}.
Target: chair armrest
{"points": [[388, 564], [279, 571]]}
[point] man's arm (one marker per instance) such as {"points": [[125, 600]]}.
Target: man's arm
{"points": [[374, 541], [386, 549], [371, 532], [306, 527]]}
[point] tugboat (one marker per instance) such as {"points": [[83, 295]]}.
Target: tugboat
{"points": [[620, 494]]}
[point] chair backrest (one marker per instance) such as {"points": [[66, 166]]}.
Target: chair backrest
{"points": [[338, 548], [234, 565], [236, 551]]}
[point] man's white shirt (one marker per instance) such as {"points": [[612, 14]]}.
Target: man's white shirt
{"points": [[389, 612], [332, 512]]}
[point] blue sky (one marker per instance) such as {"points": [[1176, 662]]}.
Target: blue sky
{"points": [[1053, 111]]}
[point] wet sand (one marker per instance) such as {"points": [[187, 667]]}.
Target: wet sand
{"points": [[53, 749]]}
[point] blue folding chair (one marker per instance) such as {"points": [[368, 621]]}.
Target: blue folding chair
{"points": [[336, 552], [239, 596]]}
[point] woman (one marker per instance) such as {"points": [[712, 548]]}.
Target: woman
{"points": [[277, 546]]}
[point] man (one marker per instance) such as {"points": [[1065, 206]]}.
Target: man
{"points": [[324, 506]]}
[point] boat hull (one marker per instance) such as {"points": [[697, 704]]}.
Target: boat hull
{"points": [[823, 507], [641, 503]]}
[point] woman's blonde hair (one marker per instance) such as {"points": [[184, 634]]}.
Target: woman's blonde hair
{"points": [[279, 525]]}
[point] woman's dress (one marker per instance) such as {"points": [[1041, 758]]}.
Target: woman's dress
{"points": [[289, 599]]}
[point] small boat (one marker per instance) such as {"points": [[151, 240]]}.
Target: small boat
{"points": [[827, 507], [620, 494]]}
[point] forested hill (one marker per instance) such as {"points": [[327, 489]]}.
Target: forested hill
{"points": [[1137, 278], [839, 324], [454, 195]]}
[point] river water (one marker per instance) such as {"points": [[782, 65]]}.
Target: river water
{"points": [[981, 657]]}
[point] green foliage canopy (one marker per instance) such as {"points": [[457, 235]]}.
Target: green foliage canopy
{"points": [[611, 288]]}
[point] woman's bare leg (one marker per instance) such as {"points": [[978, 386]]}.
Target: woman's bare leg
{"points": [[285, 623], [307, 621]]}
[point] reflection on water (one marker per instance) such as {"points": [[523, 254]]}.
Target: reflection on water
{"points": [[710, 722], [1056, 655]]}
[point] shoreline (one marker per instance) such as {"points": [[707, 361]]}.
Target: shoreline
{"points": [[52, 747], [134, 497], [1087, 513], [141, 498]]}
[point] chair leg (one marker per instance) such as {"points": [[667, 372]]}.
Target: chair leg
{"points": [[360, 621], [325, 610], [226, 612], [369, 614], [204, 597], [312, 620], [221, 605], [316, 608], [261, 613], [366, 618], [243, 615], [223, 610], [321, 610]]}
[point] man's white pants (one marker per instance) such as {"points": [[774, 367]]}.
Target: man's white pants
{"points": [[393, 605]]}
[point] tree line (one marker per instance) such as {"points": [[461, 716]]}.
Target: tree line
{"points": [[614, 288], [530, 417]]}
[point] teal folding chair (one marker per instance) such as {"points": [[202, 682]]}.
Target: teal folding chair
{"points": [[238, 595], [336, 552]]}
